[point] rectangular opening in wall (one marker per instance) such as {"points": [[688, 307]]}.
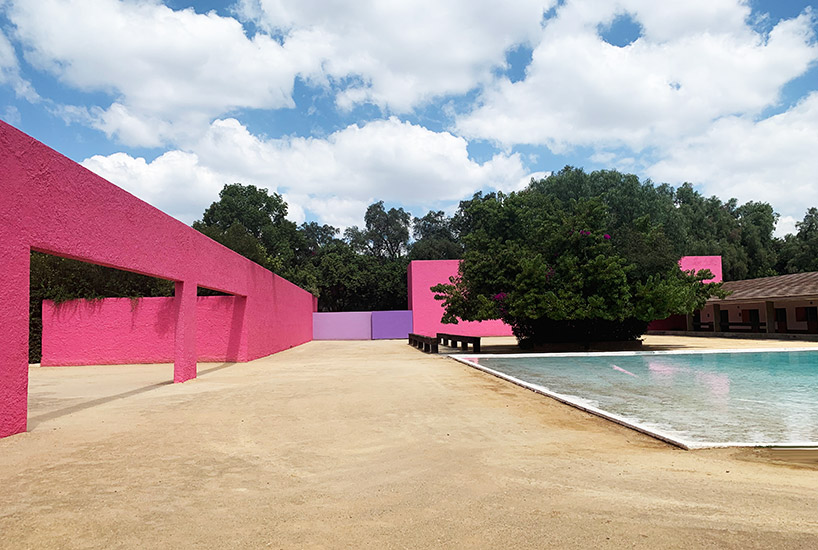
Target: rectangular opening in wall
{"points": [[61, 279]]}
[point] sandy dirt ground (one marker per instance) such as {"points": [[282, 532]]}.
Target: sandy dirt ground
{"points": [[372, 445]]}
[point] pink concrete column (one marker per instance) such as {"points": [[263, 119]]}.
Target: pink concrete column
{"points": [[14, 292], [184, 363]]}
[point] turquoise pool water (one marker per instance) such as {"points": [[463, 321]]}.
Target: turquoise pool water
{"points": [[697, 399]]}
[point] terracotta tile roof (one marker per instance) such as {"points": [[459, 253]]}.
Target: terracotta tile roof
{"points": [[796, 285]]}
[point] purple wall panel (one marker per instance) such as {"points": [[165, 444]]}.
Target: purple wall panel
{"points": [[350, 325], [392, 325]]}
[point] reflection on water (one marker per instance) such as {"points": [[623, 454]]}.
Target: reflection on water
{"points": [[768, 398]]}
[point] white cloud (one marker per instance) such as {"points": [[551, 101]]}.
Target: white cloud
{"points": [[176, 182], [695, 62], [10, 71], [405, 53], [171, 71], [334, 178], [772, 160]]}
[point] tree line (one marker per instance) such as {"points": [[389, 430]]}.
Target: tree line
{"points": [[364, 268]]}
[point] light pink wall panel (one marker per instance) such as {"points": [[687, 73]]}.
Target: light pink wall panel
{"points": [[697, 263], [52, 204], [427, 312], [347, 325]]}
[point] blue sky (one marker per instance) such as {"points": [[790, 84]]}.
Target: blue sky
{"points": [[336, 104]]}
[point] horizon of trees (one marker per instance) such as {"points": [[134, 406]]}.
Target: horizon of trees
{"points": [[365, 267]]}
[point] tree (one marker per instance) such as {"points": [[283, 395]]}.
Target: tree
{"points": [[435, 238], [561, 267], [386, 234], [262, 216], [799, 252]]}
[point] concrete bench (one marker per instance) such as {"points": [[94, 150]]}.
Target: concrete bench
{"points": [[427, 344]]}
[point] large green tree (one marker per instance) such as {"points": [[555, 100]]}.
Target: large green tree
{"points": [[567, 267]]}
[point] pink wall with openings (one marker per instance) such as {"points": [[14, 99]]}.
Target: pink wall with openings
{"points": [[120, 330], [427, 312], [52, 204]]}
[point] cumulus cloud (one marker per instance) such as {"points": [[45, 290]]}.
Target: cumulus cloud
{"points": [[405, 53], [171, 71], [772, 160], [335, 178], [694, 62]]}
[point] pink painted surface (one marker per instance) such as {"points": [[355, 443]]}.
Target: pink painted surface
{"points": [[119, 330], [347, 325], [54, 205], [690, 263], [697, 263], [427, 312]]}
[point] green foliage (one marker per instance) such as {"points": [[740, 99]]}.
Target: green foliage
{"points": [[253, 222], [435, 238], [799, 252], [557, 264], [386, 234]]}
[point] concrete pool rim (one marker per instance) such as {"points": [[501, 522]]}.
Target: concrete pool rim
{"points": [[573, 401]]}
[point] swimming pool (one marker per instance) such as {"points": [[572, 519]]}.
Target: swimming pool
{"points": [[691, 399]]}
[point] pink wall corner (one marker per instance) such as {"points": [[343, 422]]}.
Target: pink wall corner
{"points": [[427, 312], [342, 325], [697, 263]]}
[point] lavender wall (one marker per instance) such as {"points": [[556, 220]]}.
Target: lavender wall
{"points": [[349, 325], [51, 204], [391, 325]]}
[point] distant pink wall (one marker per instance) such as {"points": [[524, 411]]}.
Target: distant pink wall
{"points": [[697, 263], [119, 330], [427, 312], [347, 325], [52, 204]]}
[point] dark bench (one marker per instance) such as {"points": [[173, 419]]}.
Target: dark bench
{"points": [[423, 343], [452, 340]]}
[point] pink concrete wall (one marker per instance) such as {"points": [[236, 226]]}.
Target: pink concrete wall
{"points": [[427, 312], [346, 325], [697, 263], [119, 330], [54, 205]]}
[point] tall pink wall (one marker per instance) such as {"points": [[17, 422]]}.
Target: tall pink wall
{"points": [[427, 312], [120, 330], [51, 204]]}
